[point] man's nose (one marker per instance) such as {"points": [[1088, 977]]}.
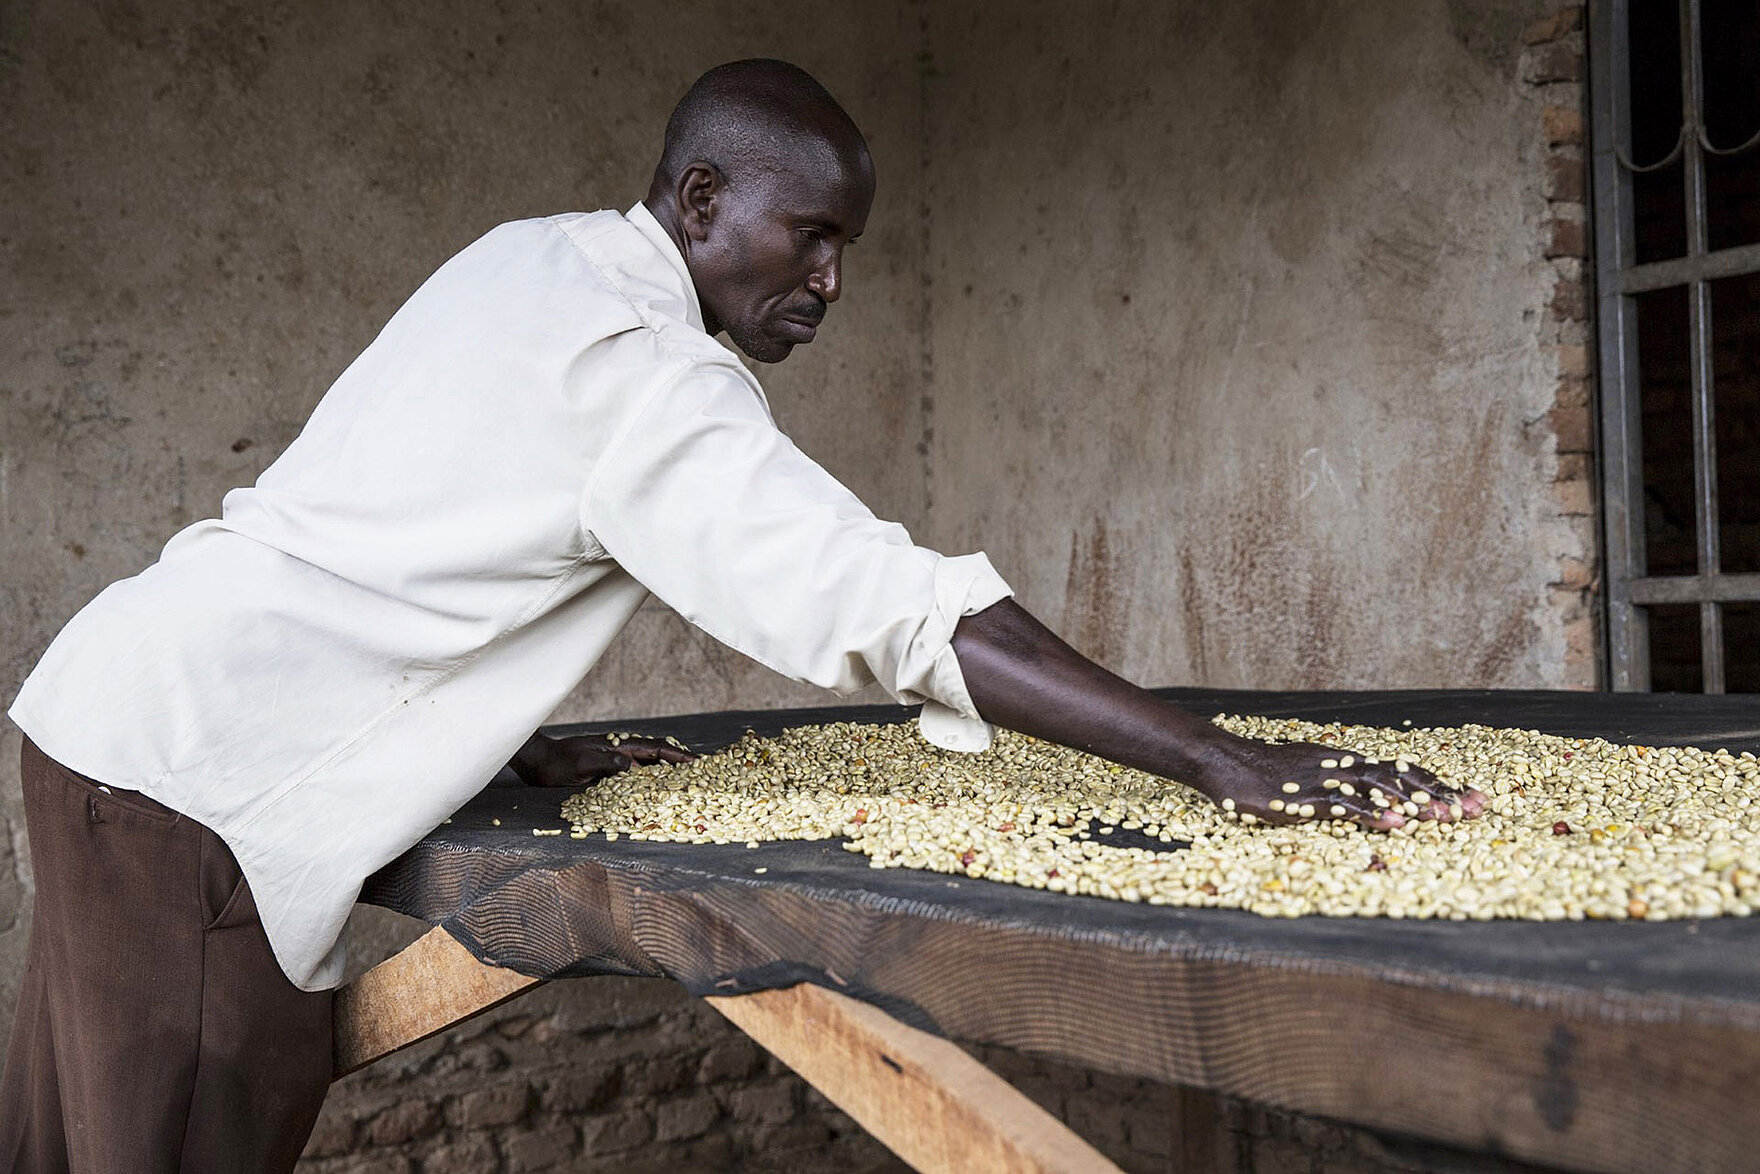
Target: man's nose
{"points": [[827, 280]]}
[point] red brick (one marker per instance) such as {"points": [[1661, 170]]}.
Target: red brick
{"points": [[616, 1131], [1554, 26], [1111, 1086], [1573, 429], [1582, 641], [807, 1134], [714, 1152], [1568, 238], [1575, 573], [514, 1026], [1150, 1127], [1567, 602], [769, 1104], [1571, 393], [1100, 1122], [1574, 498], [481, 1057], [685, 1117], [373, 1164], [1562, 125], [1564, 179], [582, 1092], [333, 1134], [404, 1122], [1320, 1135], [1572, 466], [472, 1155], [732, 1059], [1570, 301], [1573, 362], [500, 1104], [660, 1075], [540, 1149], [1558, 62]]}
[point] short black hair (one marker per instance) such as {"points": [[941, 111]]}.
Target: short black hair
{"points": [[742, 117]]}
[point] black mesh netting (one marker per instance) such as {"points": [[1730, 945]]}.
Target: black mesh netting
{"points": [[988, 961]]}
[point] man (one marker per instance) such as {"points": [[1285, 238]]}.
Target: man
{"points": [[222, 748]]}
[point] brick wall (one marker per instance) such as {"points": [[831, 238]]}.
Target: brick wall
{"points": [[631, 1075], [1554, 72], [637, 1077]]}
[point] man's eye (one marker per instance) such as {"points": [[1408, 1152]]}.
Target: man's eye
{"points": [[810, 234]]}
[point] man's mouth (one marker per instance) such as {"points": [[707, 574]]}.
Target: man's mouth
{"points": [[797, 331], [801, 324]]}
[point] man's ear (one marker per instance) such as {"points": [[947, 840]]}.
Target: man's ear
{"points": [[699, 187]]}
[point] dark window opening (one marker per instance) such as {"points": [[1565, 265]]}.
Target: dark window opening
{"points": [[1735, 367], [1741, 647], [1730, 44], [1658, 193], [1676, 122], [1675, 663], [1665, 398]]}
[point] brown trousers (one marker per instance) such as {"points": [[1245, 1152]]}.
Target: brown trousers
{"points": [[155, 1031]]}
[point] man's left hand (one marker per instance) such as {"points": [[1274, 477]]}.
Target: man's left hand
{"points": [[582, 759]]}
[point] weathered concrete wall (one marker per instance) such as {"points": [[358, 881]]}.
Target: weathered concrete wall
{"points": [[206, 212], [1240, 336]]}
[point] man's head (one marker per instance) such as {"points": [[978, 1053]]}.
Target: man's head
{"points": [[763, 181]]}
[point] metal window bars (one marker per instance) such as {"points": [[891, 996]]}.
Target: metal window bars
{"points": [[1619, 278]]}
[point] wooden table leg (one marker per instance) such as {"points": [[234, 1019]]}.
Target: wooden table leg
{"points": [[923, 1097], [431, 985]]}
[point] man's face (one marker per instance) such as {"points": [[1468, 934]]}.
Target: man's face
{"points": [[771, 258]]}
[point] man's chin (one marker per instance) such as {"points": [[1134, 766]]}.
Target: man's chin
{"points": [[764, 350]]}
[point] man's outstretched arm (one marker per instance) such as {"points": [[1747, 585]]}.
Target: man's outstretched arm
{"points": [[1022, 676]]}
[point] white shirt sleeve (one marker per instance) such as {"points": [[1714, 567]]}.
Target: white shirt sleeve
{"points": [[707, 504]]}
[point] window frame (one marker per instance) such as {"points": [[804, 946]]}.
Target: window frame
{"points": [[1630, 590]]}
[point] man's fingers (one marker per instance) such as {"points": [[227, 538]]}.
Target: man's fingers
{"points": [[653, 750], [1328, 803], [1355, 809], [1359, 810], [1429, 797]]}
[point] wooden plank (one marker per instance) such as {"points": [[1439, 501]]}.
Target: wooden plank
{"points": [[925, 1099], [431, 985], [1626, 1062], [1625, 1048]]}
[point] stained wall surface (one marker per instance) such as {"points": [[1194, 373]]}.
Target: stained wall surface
{"points": [[1218, 326], [207, 211], [1237, 336]]}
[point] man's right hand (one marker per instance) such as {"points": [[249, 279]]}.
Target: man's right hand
{"points": [[1021, 676], [1290, 782]]}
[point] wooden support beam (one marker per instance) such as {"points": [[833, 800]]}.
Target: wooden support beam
{"points": [[429, 986], [924, 1098]]}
